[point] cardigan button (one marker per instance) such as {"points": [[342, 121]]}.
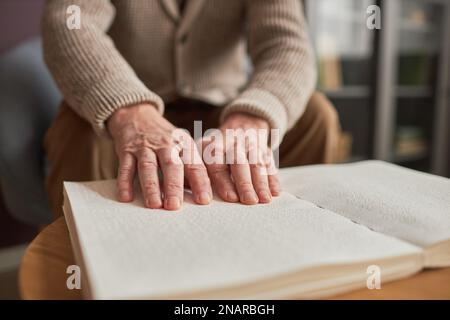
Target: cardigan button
{"points": [[183, 39]]}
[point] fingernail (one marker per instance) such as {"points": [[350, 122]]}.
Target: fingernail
{"points": [[124, 195], [204, 198], [276, 192], [232, 196], [172, 203], [154, 203], [264, 196], [250, 197]]}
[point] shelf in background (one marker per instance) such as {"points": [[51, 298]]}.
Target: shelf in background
{"points": [[412, 157], [414, 91], [355, 91], [408, 26]]}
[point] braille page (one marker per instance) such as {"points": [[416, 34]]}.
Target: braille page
{"points": [[131, 251], [396, 201]]}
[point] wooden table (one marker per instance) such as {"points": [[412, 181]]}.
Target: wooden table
{"points": [[43, 273]]}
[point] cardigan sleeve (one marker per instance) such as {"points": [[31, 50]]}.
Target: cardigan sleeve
{"points": [[88, 69], [284, 74]]}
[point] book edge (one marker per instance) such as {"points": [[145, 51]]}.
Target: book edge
{"points": [[87, 291]]}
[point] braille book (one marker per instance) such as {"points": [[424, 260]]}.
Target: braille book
{"points": [[334, 228]]}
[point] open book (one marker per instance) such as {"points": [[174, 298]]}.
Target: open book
{"points": [[315, 240]]}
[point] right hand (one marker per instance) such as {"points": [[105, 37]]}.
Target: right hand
{"points": [[144, 142]]}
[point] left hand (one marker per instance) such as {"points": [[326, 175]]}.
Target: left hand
{"points": [[247, 172]]}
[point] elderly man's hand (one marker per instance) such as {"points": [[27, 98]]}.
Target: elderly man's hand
{"points": [[247, 172], [145, 141]]}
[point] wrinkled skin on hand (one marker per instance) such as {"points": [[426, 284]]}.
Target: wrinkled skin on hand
{"points": [[145, 143], [248, 172]]}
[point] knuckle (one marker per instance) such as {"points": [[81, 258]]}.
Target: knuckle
{"points": [[171, 161], [217, 177], [174, 187], [217, 168], [148, 165], [244, 184], [202, 182], [166, 140], [261, 186], [125, 172], [125, 148], [149, 192], [150, 184], [196, 168]]}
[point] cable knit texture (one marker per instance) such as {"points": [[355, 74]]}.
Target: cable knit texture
{"points": [[128, 52]]}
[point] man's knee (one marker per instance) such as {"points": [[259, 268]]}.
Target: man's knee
{"points": [[68, 130], [327, 127], [71, 135], [75, 153], [323, 115], [314, 138]]}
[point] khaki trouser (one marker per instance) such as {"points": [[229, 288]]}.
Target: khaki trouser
{"points": [[76, 153]]}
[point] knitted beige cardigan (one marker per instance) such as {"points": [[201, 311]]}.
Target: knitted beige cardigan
{"points": [[132, 51]]}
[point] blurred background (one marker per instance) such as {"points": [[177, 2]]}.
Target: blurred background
{"points": [[390, 87]]}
